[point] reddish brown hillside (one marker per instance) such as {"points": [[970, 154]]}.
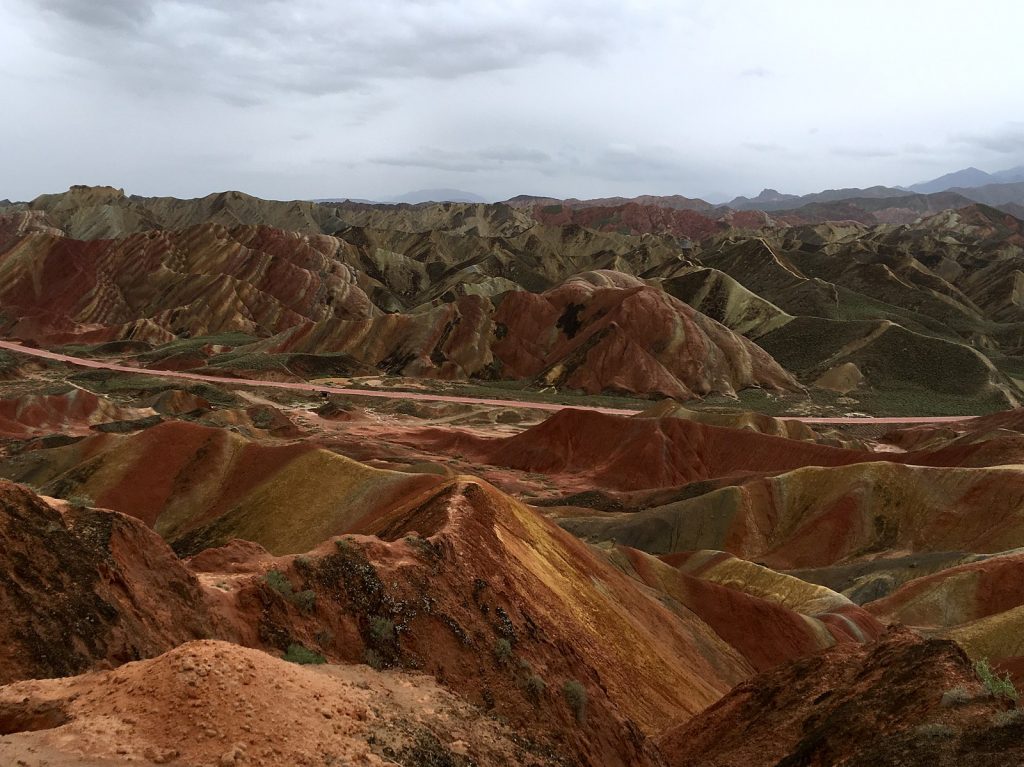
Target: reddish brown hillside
{"points": [[154, 285], [856, 706], [621, 453], [639, 217], [607, 331], [599, 331]]}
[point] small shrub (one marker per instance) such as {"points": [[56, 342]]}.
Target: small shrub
{"points": [[1000, 687], [305, 600], [324, 637], [279, 582], [502, 650], [425, 547], [958, 696], [382, 631], [373, 659], [576, 696], [1006, 718], [935, 730], [81, 501], [535, 687], [303, 655]]}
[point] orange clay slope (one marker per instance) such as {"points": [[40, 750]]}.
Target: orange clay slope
{"points": [[768, 617], [199, 486], [820, 516], [613, 452], [213, 703], [500, 571], [459, 581], [493, 571], [979, 603]]}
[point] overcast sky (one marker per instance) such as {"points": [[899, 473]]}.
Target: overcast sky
{"points": [[372, 98]]}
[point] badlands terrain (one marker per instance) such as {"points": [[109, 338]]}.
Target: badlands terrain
{"points": [[546, 482]]}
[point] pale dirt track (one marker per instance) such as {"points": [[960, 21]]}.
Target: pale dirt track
{"points": [[406, 395]]}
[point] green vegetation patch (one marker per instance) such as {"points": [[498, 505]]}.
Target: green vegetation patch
{"points": [[302, 655], [576, 696], [998, 686]]}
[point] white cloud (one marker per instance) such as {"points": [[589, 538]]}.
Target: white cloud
{"points": [[323, 98]]}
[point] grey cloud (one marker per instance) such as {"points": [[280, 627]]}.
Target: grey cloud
{"points": [[1008, 140], [465, 161], [515, 155], [608, 163], [436, 159], [245, 52], [654, 163], [584, 98], [106, 14]]}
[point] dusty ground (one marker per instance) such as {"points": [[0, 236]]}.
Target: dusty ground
{"points": [[217, 704]]}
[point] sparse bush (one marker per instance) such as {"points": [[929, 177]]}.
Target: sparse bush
{"points": [[373, 659], [935, 730], [279, 582], [424, 546], [80, 501], [958, 696], [1007, 718], [324, 637], [535, 687], [382, 631], [303, 655], [576, 696], [305, 600], [1000, 687], [502, 650]]}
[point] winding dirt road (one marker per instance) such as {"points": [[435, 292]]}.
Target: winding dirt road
{"points": [[406, 395]]}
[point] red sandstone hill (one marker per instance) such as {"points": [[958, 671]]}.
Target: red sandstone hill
{"points": [[599, 331], [206, 485], [621, 453], [155, 285], [461, 581], [67, 413], [907, 315], [636, 218]]}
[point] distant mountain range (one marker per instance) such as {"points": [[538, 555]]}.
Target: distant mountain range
{"points": [[969, 178], [1002, 188]]}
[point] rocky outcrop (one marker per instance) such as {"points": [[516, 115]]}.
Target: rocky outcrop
{"points": [[82, 587], [882, 704]]}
